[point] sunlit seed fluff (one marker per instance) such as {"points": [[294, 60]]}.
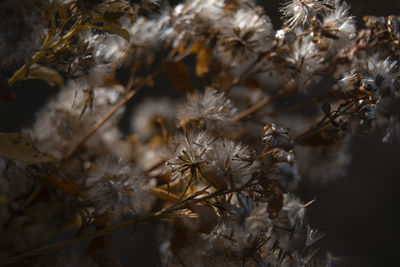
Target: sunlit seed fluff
{"points": [[60, 125], [385, 72], [108, 49], [190, 153], [294, 210], [118, 189], [339, 23], [230, 163], [250, 33], [349, 81], [253, 20], [287, 228], [285, 36], [194, 18], [154, 116], [151, 154], [340, 20], [313, 236], [300, 11], [148, 33], [306, 59], [237, 236], [208, 108]]}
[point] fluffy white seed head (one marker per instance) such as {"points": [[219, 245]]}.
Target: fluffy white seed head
{"points": [[230, 163], [206, 109], [118, 189], [153, 116], [300, 12], [60, 125]]}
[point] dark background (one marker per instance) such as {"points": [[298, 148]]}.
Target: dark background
{"points": [[359, 213]]}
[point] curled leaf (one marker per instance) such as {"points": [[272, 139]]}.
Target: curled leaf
{"points": [[115, 29], [52, 77], [14, 146], [66, 185], [162, 194]]}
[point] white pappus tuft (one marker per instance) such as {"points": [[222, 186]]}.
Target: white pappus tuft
{"points": [[66, 119], [118, 189], [190, 151], [340, 24], [306, 60], [300, 11], [210, 109], [385, 72], [249, 34], [230, 163], [153, 116]]}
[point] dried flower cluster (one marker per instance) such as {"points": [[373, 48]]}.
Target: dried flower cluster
{"points": [[218, 168]]}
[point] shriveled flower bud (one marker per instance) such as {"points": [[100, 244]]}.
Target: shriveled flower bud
{"points": [[275, 135]]}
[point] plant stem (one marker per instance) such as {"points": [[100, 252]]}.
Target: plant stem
{"points": [[22, 71]]}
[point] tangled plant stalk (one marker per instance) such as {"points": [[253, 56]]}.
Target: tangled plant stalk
{"points": [[217, 168]]}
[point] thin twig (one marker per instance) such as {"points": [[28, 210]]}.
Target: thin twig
{"points": [[100, 123], [323, 122], [22, 71], [129, 94], [251, 109]]}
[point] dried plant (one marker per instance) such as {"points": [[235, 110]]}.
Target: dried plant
{"points": [[217, 169]]}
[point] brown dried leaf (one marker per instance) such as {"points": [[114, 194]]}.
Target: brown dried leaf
{"points": [[115, 29], [66, 185], [5, 91], [179, 76], [203, 60], [52, 77], [14, 146], [162, 194]]}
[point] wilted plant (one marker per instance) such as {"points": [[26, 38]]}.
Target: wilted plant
{"points": [[217, 170]]}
